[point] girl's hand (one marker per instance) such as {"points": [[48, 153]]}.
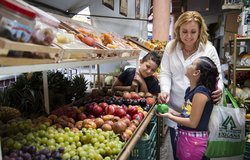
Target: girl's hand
{"points": [[166, 115], [216, 95], [163, 97]]}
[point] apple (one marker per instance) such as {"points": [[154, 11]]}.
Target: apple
{"points": [[97, 110], [106, 127], [126, 120], [119, 127], [124, 107], [132, 110], [126, 95], [91, 116], [81, 116], [137, 117], [129, 131], [141, 114], [99, 122], [89, 123], [150, 100], [128, 116], [134, 95], [79, 124], [135, 122], [89, 108], [125, 136], [109, 122], [104, 105], [120, 112], [107, 117], [110, 110]]}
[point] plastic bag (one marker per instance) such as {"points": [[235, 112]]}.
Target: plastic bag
{"points": [[227, 130]]}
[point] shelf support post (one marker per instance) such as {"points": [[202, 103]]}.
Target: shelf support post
{"points": [[46, 91], [234, 66]]}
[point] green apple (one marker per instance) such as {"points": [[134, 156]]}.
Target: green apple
{"points": [[162, 108]]}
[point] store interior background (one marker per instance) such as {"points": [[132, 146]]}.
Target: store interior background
{"points": [[222, 25]]}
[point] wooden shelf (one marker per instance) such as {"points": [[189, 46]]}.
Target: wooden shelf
{"points": [[234, 66], [23, 65], [59, 57], [242, 68], [6, 45]]}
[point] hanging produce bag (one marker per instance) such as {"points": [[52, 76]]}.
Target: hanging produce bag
{"points": [[227, 129]]}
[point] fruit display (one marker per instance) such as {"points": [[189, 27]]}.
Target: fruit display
{"points": [[93, 130], [148, 44]]}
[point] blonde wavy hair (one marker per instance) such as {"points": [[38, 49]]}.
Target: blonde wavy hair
{"points": [[186, 17]]}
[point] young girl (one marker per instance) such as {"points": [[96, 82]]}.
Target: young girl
{"points": [[192, 134], [142, 78]]}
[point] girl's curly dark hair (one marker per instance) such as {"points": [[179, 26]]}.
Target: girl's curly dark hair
{"points": [[208, 73]]}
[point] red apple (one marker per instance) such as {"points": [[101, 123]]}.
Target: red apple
{"points": [[135, 95], [137, 117], [110, 110], [124, 107], [132, 110], [120, 112], [81, 116], [91, 116], [150, 100], [89, 108], [141, 114], [128, 116], [97, 110], [104, 105]]}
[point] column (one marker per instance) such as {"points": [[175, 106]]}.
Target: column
{"points": [[161, 19]]}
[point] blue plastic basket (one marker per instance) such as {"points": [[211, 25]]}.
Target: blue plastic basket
{"points": [[145, 148]]}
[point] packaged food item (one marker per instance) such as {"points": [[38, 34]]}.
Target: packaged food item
{"points": [[16, 21], [46, 27]]}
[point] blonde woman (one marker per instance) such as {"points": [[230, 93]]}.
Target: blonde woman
{"points": [[191, 42]]}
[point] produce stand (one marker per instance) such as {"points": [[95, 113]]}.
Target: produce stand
{"points": [[60, 54], [11, 65]]}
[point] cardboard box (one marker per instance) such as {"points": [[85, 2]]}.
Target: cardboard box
{"points": [[231, 24]]}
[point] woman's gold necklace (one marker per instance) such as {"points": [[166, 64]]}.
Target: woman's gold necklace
{"points": [[187, 53]]}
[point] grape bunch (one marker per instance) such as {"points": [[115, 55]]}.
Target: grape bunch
{"points": [[31, 153]]}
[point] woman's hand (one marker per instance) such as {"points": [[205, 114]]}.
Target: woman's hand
{"points": [[163, 97], [216, 95]]}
